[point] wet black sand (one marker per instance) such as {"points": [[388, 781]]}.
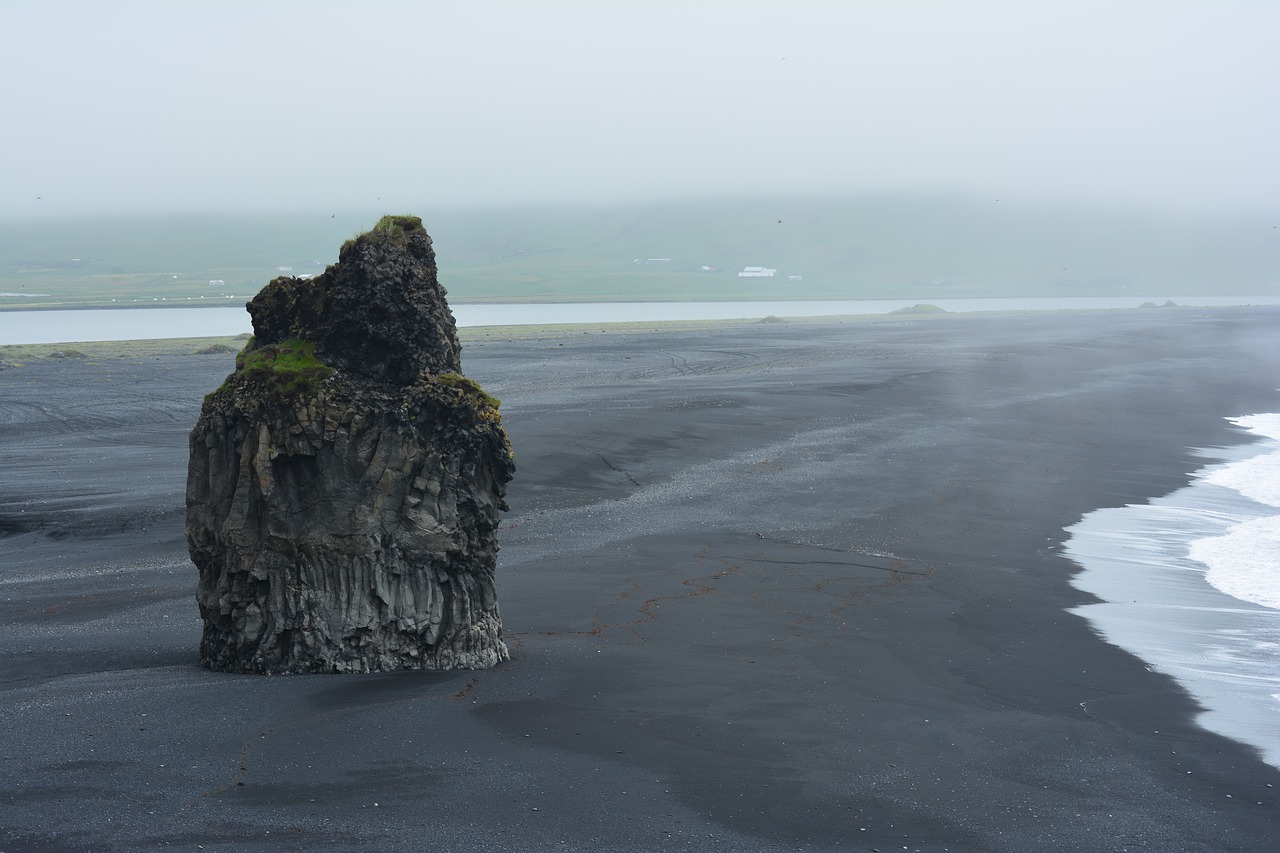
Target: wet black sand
{"points": [[767, 587]]}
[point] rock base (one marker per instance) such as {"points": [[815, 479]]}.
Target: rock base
{"points": [[343, 533]]}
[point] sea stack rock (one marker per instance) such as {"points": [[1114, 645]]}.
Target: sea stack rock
{"points": [[345, 481]]}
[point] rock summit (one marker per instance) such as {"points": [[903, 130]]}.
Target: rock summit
{"points": [[345, 482]]}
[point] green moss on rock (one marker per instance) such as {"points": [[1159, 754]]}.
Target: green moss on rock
{"points": [[470, 387]]}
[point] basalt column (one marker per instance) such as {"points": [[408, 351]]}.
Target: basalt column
{"points": [[345, 482]]}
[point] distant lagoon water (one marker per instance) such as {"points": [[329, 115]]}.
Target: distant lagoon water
{"points": [[129, 324]]}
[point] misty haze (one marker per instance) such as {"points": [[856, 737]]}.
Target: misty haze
{"points": [[891, 387]]}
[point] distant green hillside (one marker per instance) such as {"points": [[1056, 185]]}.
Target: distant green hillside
{"points": [[900, 246]]}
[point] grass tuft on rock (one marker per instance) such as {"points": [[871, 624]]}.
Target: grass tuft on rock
{"points": [[399, 225], [394, 226], [481, 399], [289, 368]]}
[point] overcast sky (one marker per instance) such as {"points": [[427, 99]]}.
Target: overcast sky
{"points": [[137, 106]]}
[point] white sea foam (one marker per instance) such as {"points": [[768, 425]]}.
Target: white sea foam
{"points": [[1190, 582], [1258, 477], [1245, 561]]}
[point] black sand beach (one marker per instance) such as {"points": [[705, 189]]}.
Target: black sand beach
{"points": [[767, 587]]}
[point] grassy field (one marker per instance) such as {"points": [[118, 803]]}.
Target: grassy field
{"points": [[916, 247]]}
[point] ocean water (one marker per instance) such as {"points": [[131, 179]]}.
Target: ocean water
{"points": [[1190, 583]]}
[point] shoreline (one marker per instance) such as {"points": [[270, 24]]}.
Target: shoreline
{"points": [[766, 586], [1137, 561], [468, 334]]}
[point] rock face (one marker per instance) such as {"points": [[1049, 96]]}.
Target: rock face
{"points": [[345, 482]]}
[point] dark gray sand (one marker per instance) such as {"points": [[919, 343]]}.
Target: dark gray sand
{"points": [[767, 587]]}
